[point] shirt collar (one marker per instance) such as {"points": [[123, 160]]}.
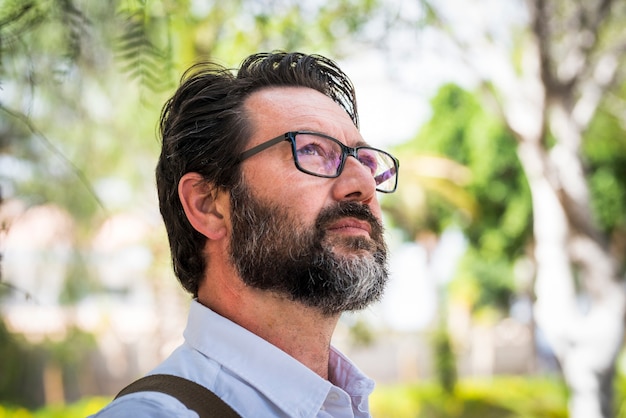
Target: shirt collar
{"points": [[281, 378]]}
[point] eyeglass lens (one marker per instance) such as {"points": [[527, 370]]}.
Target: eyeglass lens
{"points": [[322, 156]]}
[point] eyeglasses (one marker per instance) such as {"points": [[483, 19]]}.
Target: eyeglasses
{"points": [[324, 156]]}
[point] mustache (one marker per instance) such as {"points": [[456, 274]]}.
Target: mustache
{"points": [[352, 210]]}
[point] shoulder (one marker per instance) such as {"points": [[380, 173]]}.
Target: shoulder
{"points": [[146, 404]]}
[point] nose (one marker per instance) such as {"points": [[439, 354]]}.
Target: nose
{"points": [[355, 182]]}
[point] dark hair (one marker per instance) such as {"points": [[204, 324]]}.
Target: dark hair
{"points": [[204, 128]]}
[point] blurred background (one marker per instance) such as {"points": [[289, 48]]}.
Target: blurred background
{"points": [[507, 233]]}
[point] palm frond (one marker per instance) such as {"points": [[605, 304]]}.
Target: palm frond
{"points": [[141, 58], [77, 26]]}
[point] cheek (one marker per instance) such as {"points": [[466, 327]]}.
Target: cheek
{"points": [[377, 211], [301, 205], [276, 175], [299, 194]]}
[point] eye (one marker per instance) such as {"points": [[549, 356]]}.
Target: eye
{"points": [[312, 149], [318, 155], [368, 159]]}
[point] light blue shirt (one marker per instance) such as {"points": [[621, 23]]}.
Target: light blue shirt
{"points": [[253, 376]]}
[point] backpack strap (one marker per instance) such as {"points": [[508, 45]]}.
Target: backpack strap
{"points": [[194, 396]]}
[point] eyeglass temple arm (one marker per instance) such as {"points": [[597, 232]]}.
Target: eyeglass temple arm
{"points": [[265, 145]]}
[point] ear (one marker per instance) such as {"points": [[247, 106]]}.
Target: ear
{"points": [[205, 207]]}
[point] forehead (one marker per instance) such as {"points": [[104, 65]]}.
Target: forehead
{"points": [[276, 110]]}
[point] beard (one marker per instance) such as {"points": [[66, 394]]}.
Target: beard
{"points": [[273, 251]]}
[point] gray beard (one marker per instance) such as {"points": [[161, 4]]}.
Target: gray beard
{"points": [[272, 251]]}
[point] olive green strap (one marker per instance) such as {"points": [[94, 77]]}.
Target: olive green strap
{"points": [[195, 397]]}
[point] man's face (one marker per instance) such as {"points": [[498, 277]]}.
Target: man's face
{"points": [[316, 240]]}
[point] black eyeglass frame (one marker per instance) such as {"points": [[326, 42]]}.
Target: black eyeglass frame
{"points": [[345, 152]]}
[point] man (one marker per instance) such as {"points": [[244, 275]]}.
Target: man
{"points": [[268, 193]]}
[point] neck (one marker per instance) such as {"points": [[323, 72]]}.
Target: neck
{"points": [[300, 331]]}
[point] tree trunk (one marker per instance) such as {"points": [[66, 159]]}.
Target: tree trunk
{"points": [[580, 303]]}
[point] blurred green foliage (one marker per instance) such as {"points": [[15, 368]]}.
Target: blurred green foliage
{"points": [[499, 229], [445, 360], [463, 130], [498, 397], [80, 409], [605, 153], [23, 362]]}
